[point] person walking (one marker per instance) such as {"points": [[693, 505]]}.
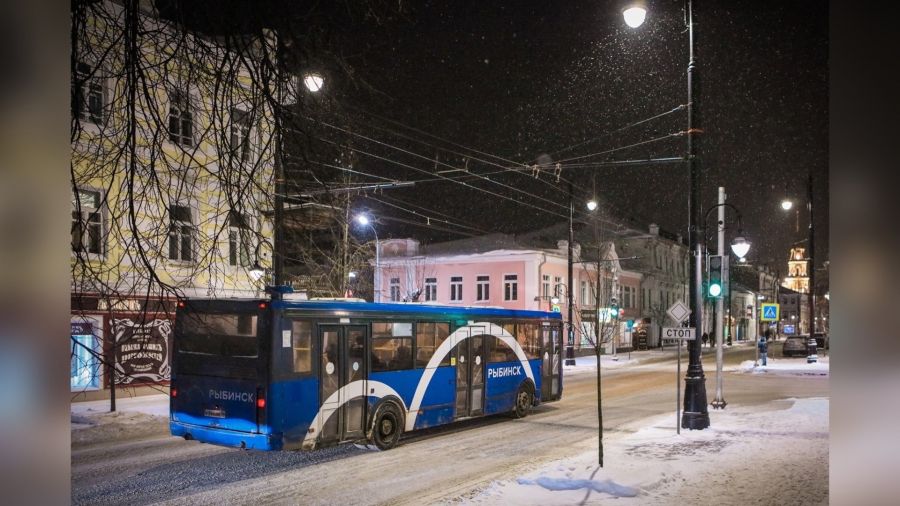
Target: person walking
{"points": [[763, 349]]}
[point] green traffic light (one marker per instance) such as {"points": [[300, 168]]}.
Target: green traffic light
{"points": [[715, 290]]}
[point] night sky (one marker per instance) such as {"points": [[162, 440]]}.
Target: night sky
{"points": [[535, 82]]}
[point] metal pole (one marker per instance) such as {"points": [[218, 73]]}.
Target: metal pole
{"points": [[278, 241], [677, 392], [719, 401], [570, 342], [695, 415], [811, 347], [377, 277]]}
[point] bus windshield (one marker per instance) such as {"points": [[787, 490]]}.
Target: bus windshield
{"points": [[219, 334]]}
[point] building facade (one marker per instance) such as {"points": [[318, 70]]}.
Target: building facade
{"points": [[499, 270], [661, 259], [172, 164]]}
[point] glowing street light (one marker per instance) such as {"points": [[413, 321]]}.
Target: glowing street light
{"points": [[740, 247], [787, 204], [364, 220], [313, 82], [635, 15], [592, 205]]}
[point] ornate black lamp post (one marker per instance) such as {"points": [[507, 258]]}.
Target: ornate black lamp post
{"points": [[695, 414]]}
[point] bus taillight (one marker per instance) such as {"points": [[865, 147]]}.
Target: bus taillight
{"points": [[262, 305], [260, 402], [174, 392]]}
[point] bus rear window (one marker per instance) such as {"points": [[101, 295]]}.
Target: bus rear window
{"points": [[220, 334]]}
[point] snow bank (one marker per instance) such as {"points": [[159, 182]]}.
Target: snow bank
{"points": [[786, 366], [726, 463], [135, 418]]}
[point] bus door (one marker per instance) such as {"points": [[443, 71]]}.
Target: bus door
{"points": [[343, 363], [470, 362], [547, 370], [551, 347]]}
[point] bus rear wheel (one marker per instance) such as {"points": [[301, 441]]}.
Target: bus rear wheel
{"points": [[524, 400], [388, 426]]}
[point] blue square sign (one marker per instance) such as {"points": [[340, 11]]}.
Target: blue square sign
{"points": [[768, 312]]}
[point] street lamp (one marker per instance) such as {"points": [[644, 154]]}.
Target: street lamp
{"points": [[313, 81], [740, 247], [364, 220], [635, 14], [695, 415], [811, 346]]}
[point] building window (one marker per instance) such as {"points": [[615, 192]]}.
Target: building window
{"points": [[240, 134], [181, 232], [238, 240], [395, 289], [430, 289], [627, 297], [181, 119], [557, 286], [87, 222], [89, 98], [511, 287], [456, 288], [545, 287], [482, 288], [85, 357]]}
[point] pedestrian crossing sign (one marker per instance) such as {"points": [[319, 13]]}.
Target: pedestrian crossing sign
{"points": [[769, 312]]}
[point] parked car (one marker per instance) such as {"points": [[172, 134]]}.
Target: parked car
{"points": [[795, 345]]}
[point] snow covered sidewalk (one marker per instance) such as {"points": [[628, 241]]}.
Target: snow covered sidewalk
{"points": [[135, 417], [771, 454], [785, 366]]}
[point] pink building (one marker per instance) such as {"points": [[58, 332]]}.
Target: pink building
{"points": [[495, 271]]}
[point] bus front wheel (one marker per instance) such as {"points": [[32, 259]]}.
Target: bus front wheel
{"points": [[524, 400], [388, 426]]}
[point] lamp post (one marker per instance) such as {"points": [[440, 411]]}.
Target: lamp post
{"points": [[364, 220], [811, 346], [740, 247], [695, 415], [570, 334]]}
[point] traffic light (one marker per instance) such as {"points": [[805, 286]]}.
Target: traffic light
{"points": [[715, 276]]}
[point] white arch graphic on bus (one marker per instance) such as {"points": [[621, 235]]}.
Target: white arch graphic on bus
{"points": [[458, 336], [375, 389], [379, 390]]}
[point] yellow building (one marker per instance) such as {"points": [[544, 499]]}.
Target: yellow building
{"points": [[798, 277], [172, 176]]}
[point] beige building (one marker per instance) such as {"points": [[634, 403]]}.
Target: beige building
{"points": [[171, 172]]}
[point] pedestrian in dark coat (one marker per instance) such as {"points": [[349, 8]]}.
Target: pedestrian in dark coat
{"points": [[763, 350]]}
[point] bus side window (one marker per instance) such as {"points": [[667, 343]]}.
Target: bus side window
{"points": [[429, 336], [301, 345]]}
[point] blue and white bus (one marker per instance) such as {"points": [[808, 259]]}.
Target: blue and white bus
{"points": [[279, 374]]}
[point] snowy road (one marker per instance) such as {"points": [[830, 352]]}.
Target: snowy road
{"points": [[435, 466]]}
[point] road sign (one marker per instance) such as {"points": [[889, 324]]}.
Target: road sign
{"points": [[686, 333], [789, 329], [768, 312], [678, 312], [556, 308]]}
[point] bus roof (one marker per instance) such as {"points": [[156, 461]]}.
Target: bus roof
{"points": [[411, 308], [356, 306]]}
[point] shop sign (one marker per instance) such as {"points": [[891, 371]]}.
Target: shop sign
{"points": [[142, 350]]}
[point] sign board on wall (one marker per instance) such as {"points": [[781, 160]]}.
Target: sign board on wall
{"points": [[142, 350]]}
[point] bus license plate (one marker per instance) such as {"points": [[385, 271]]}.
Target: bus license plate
{"points": [[215, 413]]}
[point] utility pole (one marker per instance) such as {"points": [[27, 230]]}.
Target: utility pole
{"points": [[719, 401], [695, 415], [570, 339]]}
